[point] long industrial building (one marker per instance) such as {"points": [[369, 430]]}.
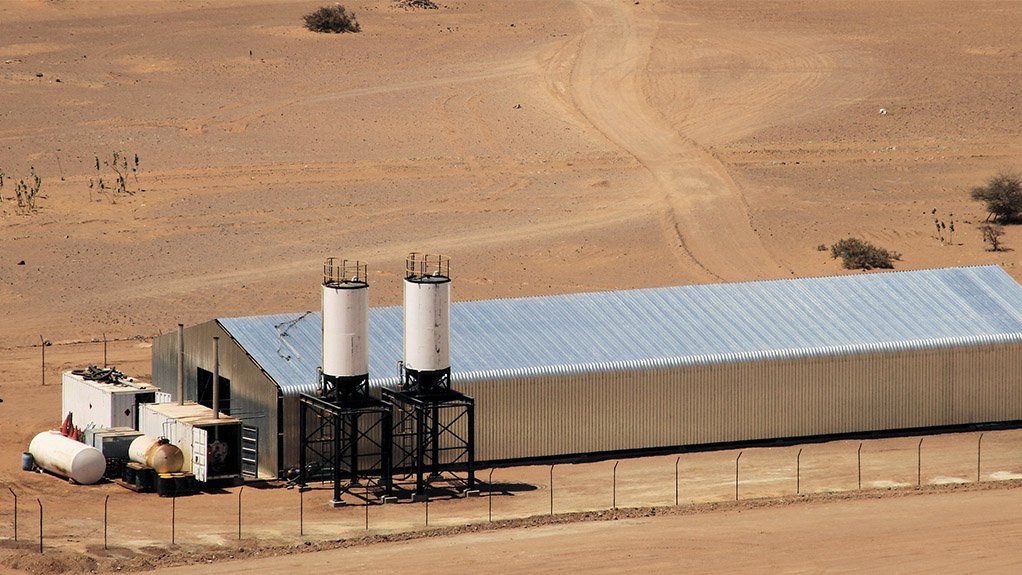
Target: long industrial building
{"points": [[658, 368]]}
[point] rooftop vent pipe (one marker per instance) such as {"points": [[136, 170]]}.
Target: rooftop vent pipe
{"points": [[180, 364], [216, 377]]}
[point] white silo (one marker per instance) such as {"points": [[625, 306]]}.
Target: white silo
{"points": [[345, 328], [427, 315]]}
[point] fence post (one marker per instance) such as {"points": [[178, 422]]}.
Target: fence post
{"points": [[40, 524], [979, 455], [489, 488], [301, 511], [736, 474], [42, 342], [551, 490], [173, 519], [11, 489], [427, 509], [367, 506], [104, 351], [614, 497], [858, 457], [106, 504], [239, 511], [798, 472], [919, 463], [677, 489]]}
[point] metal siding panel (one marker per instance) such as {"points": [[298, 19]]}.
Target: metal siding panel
{"points": [[610, 411]]}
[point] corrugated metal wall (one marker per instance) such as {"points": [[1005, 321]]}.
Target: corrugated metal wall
{"points": [[573, 413], [253, 393], [521, 417]]}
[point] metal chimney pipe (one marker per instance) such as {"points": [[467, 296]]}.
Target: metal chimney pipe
{"points": [[216, 377], [180, 364]]}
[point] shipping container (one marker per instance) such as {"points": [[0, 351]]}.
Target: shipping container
{"points": [[212, 447], [104, 404]]}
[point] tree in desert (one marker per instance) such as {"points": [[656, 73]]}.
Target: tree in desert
{"points": [[1002, 196]]}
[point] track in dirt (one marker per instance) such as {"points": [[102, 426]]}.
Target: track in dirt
{"points": [[703, 210]]}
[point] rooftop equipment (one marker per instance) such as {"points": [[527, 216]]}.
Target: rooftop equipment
{"points": [[345, 432], [434, 425]]}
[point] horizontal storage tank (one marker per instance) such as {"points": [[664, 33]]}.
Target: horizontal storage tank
{"points": [[156, 452], [68, 458]]}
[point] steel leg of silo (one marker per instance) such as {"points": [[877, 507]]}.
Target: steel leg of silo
{"points": [[434, 436], [386, 454], [471, 446], [353, 438], [304, 445], [420, 450], [338, 436]]}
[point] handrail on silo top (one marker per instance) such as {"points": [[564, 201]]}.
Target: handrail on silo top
{"points": [[337, 271], [420, 265]]}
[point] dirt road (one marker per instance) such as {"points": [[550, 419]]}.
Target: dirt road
{"points": [[703, 213]]}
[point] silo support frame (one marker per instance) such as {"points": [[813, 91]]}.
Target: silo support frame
{"points": [[433, 439], [338, 440]]}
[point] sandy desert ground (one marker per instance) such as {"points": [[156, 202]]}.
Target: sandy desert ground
{"points": [[547, 147]]}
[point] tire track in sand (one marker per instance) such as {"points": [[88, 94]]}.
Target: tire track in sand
{"points": [[704, 213]]}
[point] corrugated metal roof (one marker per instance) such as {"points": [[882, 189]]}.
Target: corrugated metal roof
{"points": [[661, 327]]}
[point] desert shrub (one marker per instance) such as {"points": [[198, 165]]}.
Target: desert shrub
{"points": [[857, 254], [992, 236], [25, 191], [335, 19], [415, 4], [121, 165], [1002, 196]]}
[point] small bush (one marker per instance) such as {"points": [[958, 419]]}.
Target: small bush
{"points": [[1002, 196], [992, 236], [859, 255], [334, 19], [415, 4]]}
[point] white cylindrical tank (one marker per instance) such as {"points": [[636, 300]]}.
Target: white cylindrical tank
{"points": [[66, 457], [157, 453], [427, 309], [345, 318]]}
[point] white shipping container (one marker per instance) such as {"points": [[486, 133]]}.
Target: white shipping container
{"points": [[219, 456], [101, 404]]}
